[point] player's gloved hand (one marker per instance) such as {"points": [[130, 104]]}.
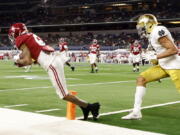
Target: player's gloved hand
{"points": [[16, 57], [153, 59]]}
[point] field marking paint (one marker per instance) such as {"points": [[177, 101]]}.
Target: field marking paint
{"points": [[45, 87], [101, 83], [22, 89], [11, 106], [33, 77], [49, 110], [128, 110]]}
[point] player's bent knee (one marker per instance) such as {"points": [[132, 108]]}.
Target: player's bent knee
{"points": [[70, 97], [141, 81], [66, 97]]}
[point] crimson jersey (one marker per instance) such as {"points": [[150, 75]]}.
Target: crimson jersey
{"points": [[34, 43], [136, 49], [63, 46], [94, 48]]}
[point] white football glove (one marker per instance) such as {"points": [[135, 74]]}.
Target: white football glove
{"points": [[153, 59], [16, 57]]}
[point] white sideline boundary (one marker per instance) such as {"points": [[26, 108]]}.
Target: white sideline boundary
{"points": [[128, 110], [15, 122], [45, 87], [145, 107]]}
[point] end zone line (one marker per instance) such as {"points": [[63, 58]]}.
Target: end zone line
{"points": [[145, 107], [128, 110]]}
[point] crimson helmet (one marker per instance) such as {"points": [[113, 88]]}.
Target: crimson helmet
{"points": [[16, 30], [61, 40], [94, 41]]}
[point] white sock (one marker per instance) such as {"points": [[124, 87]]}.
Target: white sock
{"points": [[140, 92]]}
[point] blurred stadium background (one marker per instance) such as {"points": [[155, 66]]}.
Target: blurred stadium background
{"points": [[112, 23]]}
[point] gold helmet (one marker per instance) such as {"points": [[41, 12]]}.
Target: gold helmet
{"points": [[145, 24]]}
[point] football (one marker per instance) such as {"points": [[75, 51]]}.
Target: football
{"points": [[21, 55], [16, 57]]}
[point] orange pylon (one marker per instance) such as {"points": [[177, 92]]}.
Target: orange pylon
{"points": [[71, 108]]}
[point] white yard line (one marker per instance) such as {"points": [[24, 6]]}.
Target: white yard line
{"points": [[11, 106], [49, 110], [22, 89], [101, 83], [45, 87], [128, 110]]}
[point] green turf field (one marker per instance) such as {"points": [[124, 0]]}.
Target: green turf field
{"points": [[113, 87]]}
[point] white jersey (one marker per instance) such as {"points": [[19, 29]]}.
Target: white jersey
{"points": [[170, 62]]}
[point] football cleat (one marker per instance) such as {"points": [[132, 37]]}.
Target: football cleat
{"points": [[85, 112], [159, 81], [96, 69], [132, 116], [94, 108], [73, 68]]}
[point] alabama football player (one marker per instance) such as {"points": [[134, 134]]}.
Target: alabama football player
{"points": [[63, 48], [166, 58], [93, 55], [34, 49], [136, 50]]}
